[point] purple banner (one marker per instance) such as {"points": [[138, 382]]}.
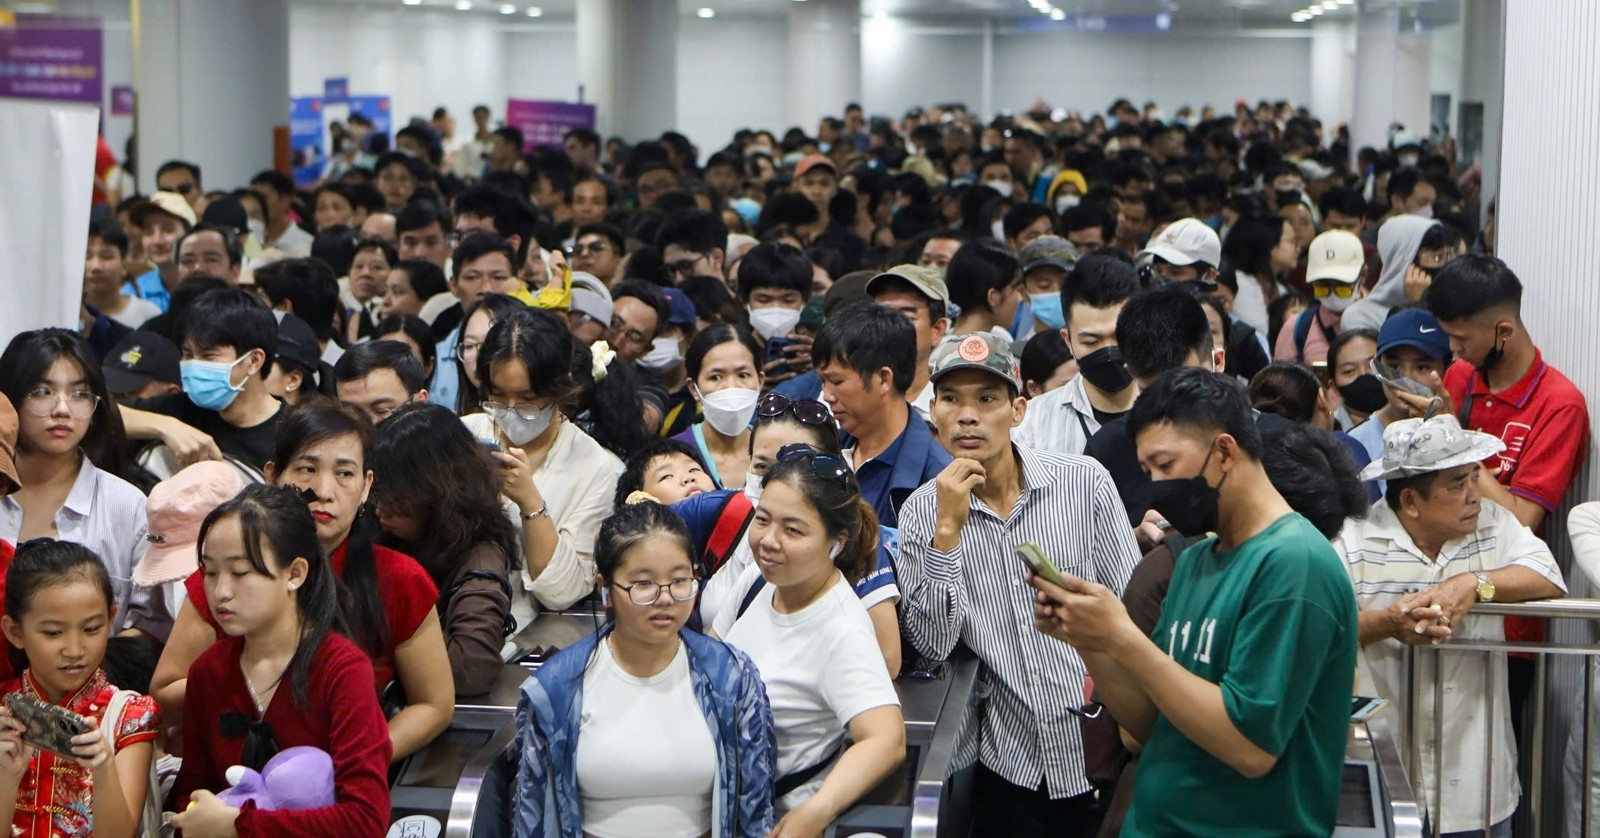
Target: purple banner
{"points": [[545, 123], [121, 100], [51, 57]]}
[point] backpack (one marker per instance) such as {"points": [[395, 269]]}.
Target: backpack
{"points": [[1302, 330], [733, 519]]}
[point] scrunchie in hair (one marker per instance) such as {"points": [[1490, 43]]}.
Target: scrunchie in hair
{"points": [[603, 355]]}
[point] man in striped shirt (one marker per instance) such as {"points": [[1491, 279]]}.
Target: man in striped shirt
{"points": [[963, 582]]}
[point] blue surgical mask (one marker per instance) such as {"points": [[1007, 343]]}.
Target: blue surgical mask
{"points": [[209, 384], [1047, 309]]}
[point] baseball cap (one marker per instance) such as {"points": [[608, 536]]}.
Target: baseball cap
{"points": [[138, 359], [811, 161], [1047, 251], [1185, 242], [170, 203], [925, 278], [591, 297], [8, 447], [977, 351], [1416, 328], [175, 509], [297, 344], [682, 308], [1337, 255]]}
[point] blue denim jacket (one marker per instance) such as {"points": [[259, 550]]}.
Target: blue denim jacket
{"points": [[730, 692]]}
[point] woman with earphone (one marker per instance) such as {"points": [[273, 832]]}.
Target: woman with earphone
{"points": [[645, 729]]}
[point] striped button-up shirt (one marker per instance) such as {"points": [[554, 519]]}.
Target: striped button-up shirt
{"points": [[1060, 421], [976, 594]]}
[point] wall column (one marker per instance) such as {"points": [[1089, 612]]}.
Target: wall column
{"points": [[628, 65], [824, 60]]}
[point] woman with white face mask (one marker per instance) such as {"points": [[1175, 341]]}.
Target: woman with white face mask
{"points": [[559, 477], [724, 366]]}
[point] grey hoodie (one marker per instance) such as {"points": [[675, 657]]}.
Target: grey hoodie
{"points": [[1399, 239]]}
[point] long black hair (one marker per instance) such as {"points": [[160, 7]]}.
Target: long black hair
{"points": [[427, 465], [319, 420], [498, 307], [844, 513], [25, 363], [276, 519]]}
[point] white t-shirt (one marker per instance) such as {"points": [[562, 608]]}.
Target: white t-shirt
{"points": [[821, 666], [136, 312], [645, 758], [295, 242]]}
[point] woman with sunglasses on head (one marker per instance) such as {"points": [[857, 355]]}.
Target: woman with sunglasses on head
{"points": [[724, 365], [69, 461], [324, 449], [646, 729], [437, 495], [561, 480], [719, 520], [804, 626]]}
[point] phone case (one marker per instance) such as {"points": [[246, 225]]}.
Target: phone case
{"points": [[46, 726], [1034, 557]]}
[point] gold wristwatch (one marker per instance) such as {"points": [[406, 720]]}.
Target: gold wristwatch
{"points": [[1485, 586]]}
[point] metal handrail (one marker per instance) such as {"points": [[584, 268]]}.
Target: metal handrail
{"points": [[1571, 609], [929, 794], [464, 802]]}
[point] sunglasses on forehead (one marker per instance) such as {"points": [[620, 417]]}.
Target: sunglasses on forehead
{"points": [[825, 466], [806, 411]]}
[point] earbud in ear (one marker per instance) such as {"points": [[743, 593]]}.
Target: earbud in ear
{"points": [[838, 547], [605, 598]]}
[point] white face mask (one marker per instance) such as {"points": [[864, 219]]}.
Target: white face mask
{"points": [[774, 321], [998, 230], [520, 430], [1408, 160], [752, 487], [729, 411], [1336, 303], [1001, 186], [258, 228], [1066, 202], [1425, 212], [663, 355]]}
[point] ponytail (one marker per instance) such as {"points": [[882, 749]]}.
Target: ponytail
{"points": [[860, 553]]}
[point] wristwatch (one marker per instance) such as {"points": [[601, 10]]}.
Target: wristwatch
{"points": [[1485, 586]]}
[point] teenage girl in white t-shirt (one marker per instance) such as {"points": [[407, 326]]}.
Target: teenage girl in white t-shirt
{"points": [[808, 633]]}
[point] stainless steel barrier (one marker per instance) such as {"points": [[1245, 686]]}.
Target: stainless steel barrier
{"points": [[1426, 663]]}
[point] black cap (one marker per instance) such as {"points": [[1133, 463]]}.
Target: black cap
{"points": [[227, 212], [297, 344], [138, 359]]}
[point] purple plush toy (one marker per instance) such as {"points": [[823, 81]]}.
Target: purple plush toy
{"points": [[297, 778]]}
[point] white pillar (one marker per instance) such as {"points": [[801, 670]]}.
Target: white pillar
{"points": [[824, 59], [1482, 77], [628, 65], [1391, 79], [1333, 67], [213, 84]]}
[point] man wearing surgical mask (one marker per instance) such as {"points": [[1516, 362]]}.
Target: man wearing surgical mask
{"points": [[665, 362], [229, 341], [994, 173], [1045, 261], [1335, 269], [1410, 194], [1063, 420], [774, 285]]}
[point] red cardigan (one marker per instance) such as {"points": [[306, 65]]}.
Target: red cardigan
{"points": [[342, 717]]}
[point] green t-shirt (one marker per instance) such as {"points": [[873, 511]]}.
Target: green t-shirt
{"points": [[1274, 623]]}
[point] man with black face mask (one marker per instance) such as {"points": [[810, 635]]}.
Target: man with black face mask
{"points": [[1264, 606], [1062, 420]]}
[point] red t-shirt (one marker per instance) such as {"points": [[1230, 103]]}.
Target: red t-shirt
{"points": [[406, 591], [1544, 422], [341, 717]]}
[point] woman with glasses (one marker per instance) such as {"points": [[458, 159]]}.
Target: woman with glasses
{"points": [[781, 422], [646, 729], [470, 335], [724, 365], [804, 627], [561, 480], [437, 496], [69, 459]]}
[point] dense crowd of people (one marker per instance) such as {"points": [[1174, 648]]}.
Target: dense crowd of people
{"points": [[785, 415]]}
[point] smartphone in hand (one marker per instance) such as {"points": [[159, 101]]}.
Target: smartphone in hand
{"points": [[1036, 560], [46, 726]]}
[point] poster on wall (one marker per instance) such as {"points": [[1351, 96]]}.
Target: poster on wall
{"points": [[545, 123], [51, 57], [121, 100], [305, 139]]}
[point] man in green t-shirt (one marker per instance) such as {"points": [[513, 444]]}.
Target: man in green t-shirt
{"points": [[1241, 695]]}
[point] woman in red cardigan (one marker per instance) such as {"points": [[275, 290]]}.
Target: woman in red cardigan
{"points": [[281, 676]]}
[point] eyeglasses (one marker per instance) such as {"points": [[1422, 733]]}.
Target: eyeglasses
{"points": [[1436, 260], [42, 401], [806, 411], [1323, 290], [525, 410], [182, 188], [681, 589], [621, 330], [825, 466], [594, 248], [1149, 277], [683, 267], [465, 352]]}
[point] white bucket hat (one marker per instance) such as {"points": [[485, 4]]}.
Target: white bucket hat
{"points": [[1420, 446]]}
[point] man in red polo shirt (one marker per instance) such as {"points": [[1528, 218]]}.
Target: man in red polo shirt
{"points": [[1501, 385]]}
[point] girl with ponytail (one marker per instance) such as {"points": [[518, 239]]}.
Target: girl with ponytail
{"points": [[806, 630]]}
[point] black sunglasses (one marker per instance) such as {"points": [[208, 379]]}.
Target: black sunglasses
{"points": [[824, 465], [806, 411]]}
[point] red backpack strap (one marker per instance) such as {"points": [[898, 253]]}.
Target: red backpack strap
{"points": [[732, 521]]}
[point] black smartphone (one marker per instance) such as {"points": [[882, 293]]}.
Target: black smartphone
{"points": [[490, 445], [777, 350]]}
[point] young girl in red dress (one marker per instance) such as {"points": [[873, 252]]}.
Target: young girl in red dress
{"points": [[58, 601], [281, 676]]}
